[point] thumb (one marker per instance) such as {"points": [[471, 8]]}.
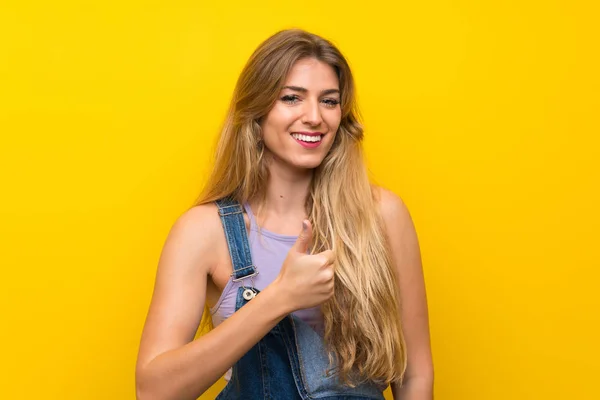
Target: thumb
{"points": [[304, 238]]}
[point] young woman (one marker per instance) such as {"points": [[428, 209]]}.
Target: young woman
{"points": [[311, 275]]}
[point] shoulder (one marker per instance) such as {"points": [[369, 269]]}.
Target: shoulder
{"points": [[194, 234], [400, 230], [199, 222], [392, 208], [397, 220]]}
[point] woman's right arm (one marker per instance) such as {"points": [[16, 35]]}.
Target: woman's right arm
{"points": [[171, 365]]}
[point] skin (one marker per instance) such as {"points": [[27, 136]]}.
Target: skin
{"points": [[194, 266]]}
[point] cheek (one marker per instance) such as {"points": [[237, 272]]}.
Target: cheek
{"points": [[333, 121], [279, 120]]}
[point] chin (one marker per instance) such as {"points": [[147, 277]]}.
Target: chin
{"points": [[298, 161], [307, 164], [310, 165]]}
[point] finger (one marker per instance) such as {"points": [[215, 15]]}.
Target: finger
{"points": [[328, 256], [304, 238]]}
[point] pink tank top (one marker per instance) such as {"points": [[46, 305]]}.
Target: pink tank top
{"points": [[268, 251]]}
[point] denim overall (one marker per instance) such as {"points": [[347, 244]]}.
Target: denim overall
{"points": [[289, 362]]}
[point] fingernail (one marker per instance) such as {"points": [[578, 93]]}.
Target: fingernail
{"points": [[304, 226]]}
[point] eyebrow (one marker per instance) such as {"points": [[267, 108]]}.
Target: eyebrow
{"points": [[304, 90]]}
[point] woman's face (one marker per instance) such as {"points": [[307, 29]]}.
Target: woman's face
{"points": [[299, 130]]}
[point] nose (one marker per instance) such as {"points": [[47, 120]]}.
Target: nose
{"points": [[312, 114]]}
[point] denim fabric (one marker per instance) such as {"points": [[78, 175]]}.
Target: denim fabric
{"points": [[290, 361]]}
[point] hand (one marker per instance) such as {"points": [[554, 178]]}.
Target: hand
{"points": [[305, 280]]}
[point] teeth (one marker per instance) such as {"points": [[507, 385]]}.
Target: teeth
{"points": [[306, 138]]}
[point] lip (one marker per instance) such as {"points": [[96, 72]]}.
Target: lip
{"points": [[308, 145]]}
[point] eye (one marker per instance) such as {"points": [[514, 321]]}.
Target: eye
{"points": [[290, 99], [331, 103]]}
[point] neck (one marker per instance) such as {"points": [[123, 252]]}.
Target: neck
{"points": [[287, 190]]}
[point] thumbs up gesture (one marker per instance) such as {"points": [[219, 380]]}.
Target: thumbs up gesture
{"points": [[306, 280]]}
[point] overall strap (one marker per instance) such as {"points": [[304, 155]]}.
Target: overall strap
{"points": [[232, 217]]}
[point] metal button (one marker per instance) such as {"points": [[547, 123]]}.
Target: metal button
{"points": [[249, 294]]}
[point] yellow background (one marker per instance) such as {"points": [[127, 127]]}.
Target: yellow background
{"points": [[483, 116]]}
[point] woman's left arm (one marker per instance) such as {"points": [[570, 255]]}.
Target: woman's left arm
{"points": [[406, 255]]}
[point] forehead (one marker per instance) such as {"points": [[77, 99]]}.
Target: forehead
{"points": [[312, 74]]}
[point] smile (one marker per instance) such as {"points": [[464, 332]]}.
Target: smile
{"points": [[308, 141], [307, 138]]}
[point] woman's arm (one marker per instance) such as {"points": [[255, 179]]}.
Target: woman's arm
{"points": [[418, 380], [171, 365]]}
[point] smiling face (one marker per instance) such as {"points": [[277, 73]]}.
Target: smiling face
{"points": [[300, 128]]}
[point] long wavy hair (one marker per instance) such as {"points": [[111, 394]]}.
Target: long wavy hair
{"points": [[363, 330]]}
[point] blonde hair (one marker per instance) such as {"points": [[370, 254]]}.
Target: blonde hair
{"points": [[363, 329]]}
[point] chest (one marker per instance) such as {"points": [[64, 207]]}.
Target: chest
{"points": [[268, 254]]}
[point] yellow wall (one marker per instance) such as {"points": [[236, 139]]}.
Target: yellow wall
{"points": [[483, 116]]}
